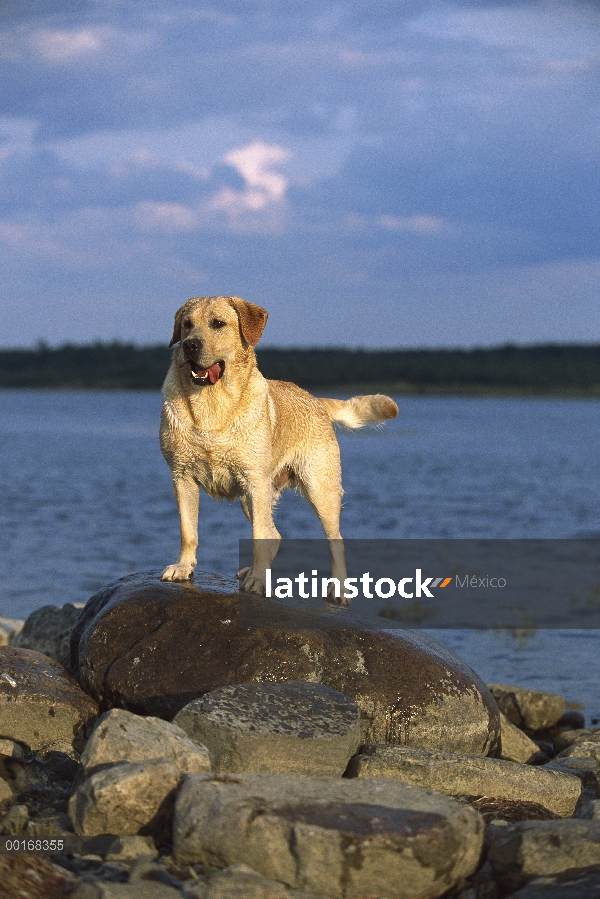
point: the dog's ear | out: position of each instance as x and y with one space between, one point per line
177 326
252 319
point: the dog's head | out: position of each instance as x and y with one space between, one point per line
214 332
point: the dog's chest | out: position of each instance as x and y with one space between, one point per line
208 456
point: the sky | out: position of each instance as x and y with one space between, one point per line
390 174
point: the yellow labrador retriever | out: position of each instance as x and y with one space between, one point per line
225 428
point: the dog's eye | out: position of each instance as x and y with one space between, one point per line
216 323
187 324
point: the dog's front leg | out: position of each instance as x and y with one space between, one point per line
265 538
187 494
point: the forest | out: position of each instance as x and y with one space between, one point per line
544 369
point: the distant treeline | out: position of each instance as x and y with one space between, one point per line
567 369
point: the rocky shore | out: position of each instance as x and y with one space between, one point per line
167 741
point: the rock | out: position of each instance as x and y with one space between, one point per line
125 798
517 746
520 852
286 728
153 646
572 718
569 737
48 630
330 836
132 767
142 890
131 846
6 793
589 809
27 876
10 749
571 885
582 749
15 821
528 709
122 736
238 881
586 769
461 775
40 703
154 869
9 628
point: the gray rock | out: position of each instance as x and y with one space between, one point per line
582 749
239 881
528 849
131 846
122 736
330 836
41 705
156 869
569 737
125 798
48 630
589 809
9 628
586 769
531 710
142 890
461 775
6 792
291 727
517 746
584 884
16 820
10 749
528 709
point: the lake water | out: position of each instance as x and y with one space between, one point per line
86 499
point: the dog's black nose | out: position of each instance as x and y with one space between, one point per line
192 346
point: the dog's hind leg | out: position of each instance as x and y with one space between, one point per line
325 496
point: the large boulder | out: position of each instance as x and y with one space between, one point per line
152 647
41 705
329 835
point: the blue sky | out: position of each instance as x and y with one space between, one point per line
377 175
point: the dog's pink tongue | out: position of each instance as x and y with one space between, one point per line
214 373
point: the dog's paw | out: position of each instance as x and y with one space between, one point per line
343 601
178 572
243 573
253 583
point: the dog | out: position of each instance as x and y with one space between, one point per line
227 429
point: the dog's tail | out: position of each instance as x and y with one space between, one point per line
361 410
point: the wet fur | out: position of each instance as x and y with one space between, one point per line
248 438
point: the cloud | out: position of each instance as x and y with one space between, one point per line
259 204
418 224
64 46
165 217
